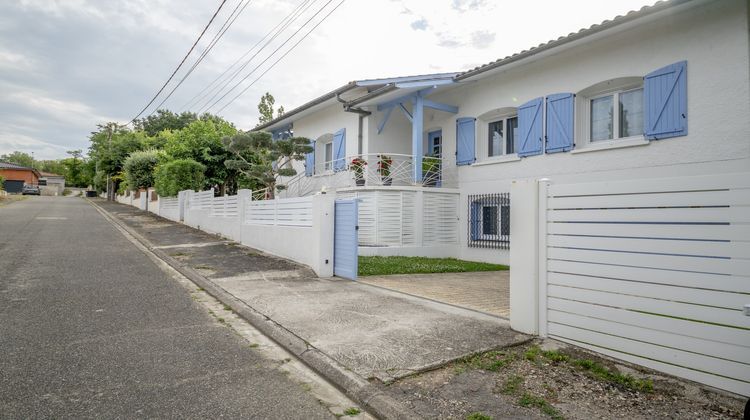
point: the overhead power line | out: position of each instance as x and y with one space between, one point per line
211 87
219 34
281 57
236 73
181 63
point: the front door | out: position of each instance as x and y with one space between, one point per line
431 175
435 144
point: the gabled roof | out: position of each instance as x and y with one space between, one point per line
380 88
352 92
8 165
582 33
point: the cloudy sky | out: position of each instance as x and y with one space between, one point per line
67 65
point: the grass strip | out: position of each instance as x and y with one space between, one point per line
378 266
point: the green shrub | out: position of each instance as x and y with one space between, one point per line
2 183
139 168
178 175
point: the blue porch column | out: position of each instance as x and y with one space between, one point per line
416 137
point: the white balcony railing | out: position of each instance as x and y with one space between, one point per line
377 169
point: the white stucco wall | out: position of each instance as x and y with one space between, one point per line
328 121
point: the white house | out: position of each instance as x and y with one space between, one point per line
660 91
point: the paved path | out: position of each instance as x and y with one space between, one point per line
487 292
92 328
371 331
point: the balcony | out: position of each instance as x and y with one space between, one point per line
372 170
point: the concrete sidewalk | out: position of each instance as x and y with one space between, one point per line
372 332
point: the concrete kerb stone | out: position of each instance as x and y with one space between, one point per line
362 391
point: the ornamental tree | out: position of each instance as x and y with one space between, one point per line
264 160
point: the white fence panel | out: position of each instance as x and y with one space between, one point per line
226 206
281 212
655 272
201 200
169 208
440 218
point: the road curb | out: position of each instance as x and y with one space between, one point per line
369 395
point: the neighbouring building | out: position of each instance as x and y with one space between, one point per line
16 176
51 184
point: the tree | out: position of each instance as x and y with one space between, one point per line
262 159
265 108
110 145
139 168
74 169
201 142
2 183
19 158
164 120
178 175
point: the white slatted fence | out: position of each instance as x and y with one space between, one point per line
201 200
655 272
281 212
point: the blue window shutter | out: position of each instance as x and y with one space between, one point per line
310 161
665 102
465 141
530 128
560 122
339 150
475 220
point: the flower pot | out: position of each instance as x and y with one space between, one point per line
360 182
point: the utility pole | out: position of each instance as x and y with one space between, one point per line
110 130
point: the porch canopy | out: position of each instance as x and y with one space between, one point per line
397 93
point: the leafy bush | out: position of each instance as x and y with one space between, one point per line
2 183
139 168
178 175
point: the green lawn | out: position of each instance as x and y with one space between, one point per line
376 266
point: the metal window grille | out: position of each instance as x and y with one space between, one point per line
489 221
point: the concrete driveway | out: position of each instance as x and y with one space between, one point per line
487 292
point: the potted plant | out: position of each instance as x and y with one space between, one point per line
430 171
358 167
384 169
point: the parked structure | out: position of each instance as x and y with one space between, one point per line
16 176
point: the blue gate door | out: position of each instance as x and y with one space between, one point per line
345 239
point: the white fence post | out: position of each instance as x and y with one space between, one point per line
524 256
322 225
243 196
181 198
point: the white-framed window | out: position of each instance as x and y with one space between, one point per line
497 134
328 147
611 111
501 136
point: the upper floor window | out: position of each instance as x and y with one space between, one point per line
328 155
497 133
610 111
501 136
616 115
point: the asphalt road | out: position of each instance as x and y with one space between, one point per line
91 327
